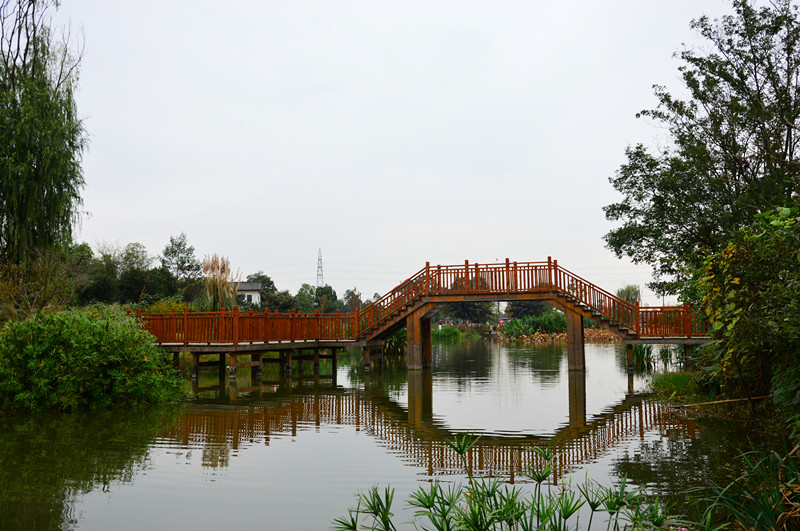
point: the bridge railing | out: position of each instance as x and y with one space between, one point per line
671 321
233 326
482 279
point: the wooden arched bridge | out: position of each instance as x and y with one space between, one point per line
412 303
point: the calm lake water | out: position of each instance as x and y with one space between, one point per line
291 453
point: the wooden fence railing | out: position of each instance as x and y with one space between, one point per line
233 326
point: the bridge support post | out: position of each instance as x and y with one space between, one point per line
418 340
316 361
629 352
577 399
576 353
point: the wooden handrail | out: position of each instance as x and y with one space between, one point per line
500 279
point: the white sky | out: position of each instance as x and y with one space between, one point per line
386 133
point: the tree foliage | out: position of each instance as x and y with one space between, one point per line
732 144
178 257
517 309
41 136
630 293
470 312
751 292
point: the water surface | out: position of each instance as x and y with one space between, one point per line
289 453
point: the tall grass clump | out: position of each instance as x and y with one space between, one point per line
765 496
219 285
91 358
488 504
674 384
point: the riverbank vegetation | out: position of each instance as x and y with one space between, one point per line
454 334
715 211
92 357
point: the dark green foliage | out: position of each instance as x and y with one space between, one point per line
41 135
89 358
283 301
734 143
765 496
447 334
517 309
469 312
326 301
396 343
139 286
751 293
552 322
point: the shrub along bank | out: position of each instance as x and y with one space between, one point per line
91 357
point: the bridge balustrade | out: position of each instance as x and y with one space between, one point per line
500 279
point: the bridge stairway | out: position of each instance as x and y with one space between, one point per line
613 326
395 320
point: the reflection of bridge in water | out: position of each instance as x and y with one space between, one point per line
412 433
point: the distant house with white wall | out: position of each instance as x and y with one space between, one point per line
249 291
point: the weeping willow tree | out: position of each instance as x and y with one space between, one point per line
219 286
41 136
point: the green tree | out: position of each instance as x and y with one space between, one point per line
733 144
630 293
41 136
304 300
326 300
471 312
352 300
139 285
134 257
518 309
178 256
282 301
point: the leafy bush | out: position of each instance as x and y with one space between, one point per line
549 323
94 357
447 334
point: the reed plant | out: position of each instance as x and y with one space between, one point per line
219 285
489 504
766 495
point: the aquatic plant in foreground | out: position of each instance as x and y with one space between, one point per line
488 504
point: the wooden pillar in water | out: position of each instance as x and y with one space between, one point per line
420 397
195 365
221 367
288 361
316 361
576 354
577 399
629 352
418 339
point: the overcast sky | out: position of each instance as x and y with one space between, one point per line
386 133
